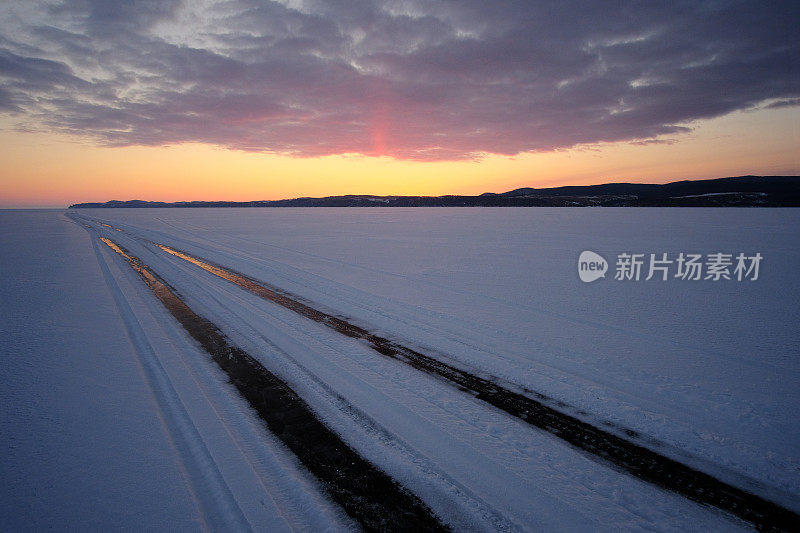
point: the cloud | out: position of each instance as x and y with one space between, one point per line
412 79
784 103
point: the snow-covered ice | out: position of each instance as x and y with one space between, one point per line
113 421
706 370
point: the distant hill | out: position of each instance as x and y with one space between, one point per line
741 191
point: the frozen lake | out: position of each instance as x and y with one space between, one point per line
705 370
712 367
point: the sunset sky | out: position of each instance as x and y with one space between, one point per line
256 100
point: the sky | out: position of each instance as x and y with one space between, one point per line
255 100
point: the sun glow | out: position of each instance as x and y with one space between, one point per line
54 170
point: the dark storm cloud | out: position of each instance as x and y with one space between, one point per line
413 79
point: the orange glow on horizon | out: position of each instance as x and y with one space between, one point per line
42 169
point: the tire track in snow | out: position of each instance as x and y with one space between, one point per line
204 478
366 493
628 456
240 325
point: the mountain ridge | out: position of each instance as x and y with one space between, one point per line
738 191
